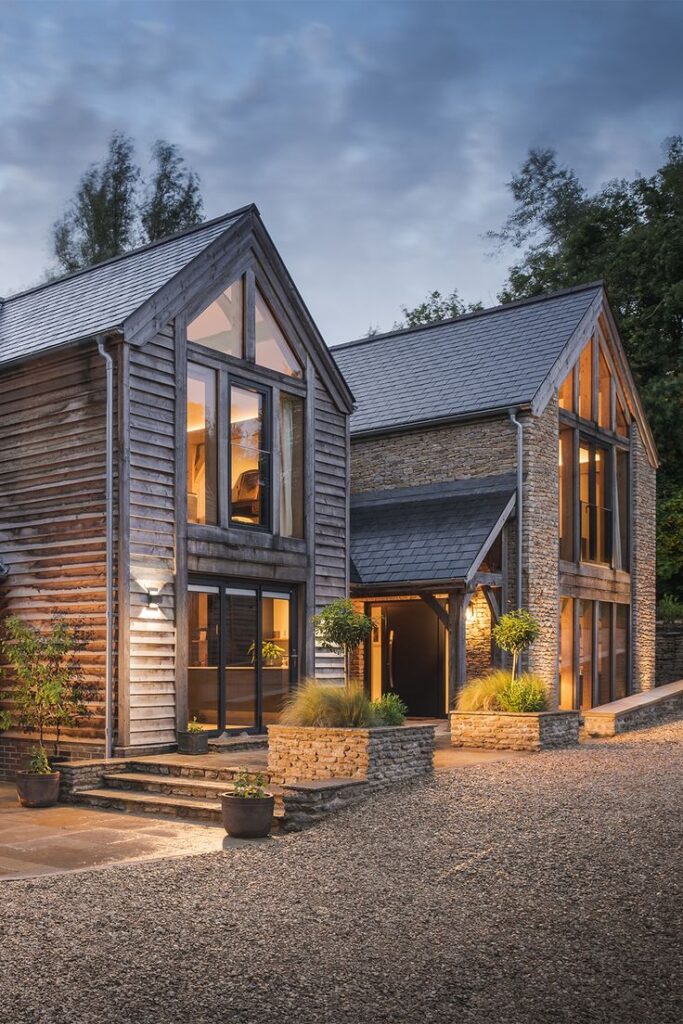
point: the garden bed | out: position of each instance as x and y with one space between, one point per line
381 755
514 730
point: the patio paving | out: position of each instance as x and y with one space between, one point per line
48 840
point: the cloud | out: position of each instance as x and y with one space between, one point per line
375 138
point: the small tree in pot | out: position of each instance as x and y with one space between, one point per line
248 810
194 739
340 625
515 632
49 693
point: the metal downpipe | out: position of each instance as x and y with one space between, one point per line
520 500
109 555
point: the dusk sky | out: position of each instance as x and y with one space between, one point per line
375 137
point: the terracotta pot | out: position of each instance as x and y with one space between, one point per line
193 743
37 790
247 817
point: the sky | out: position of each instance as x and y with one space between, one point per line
376 138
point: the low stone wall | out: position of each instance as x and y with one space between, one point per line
501 730
16 748
381 756
640 711
76 775
669 653
307 803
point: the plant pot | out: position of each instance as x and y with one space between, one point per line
37 790
247 817
193 743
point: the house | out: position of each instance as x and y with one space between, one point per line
499 460
173 474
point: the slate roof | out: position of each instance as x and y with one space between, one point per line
420 534
495 359
100 298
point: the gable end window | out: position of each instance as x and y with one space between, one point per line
221 325
272 348
249 456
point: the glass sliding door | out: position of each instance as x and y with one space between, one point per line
585 654
604 665
566 654
243 654
240 631
203 690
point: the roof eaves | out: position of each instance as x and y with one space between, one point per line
408 426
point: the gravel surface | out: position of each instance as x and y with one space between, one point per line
542 889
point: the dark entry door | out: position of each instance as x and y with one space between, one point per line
413 664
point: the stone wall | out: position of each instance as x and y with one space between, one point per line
381 756
643 564
15 751
660 705
540 544
499 730
307 803
478 635
669 647
432 455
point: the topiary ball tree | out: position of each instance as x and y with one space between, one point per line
340 625
515 632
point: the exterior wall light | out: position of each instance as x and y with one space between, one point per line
153 598
470 613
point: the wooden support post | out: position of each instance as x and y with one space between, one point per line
457 644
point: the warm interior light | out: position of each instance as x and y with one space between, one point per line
153 597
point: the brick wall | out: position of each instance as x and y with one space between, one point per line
643 564
16 750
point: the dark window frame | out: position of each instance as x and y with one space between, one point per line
266 446
596 606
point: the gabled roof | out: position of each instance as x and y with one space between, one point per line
100 298
436 534
481 362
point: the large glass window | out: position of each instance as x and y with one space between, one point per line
585 654
566 394
275 652
604 666
622 539
621 649
604 393
567 654
586 382
566 483
249 457
221 325
291 466
204 656
593 495
622 422
202 488
240 633
272 348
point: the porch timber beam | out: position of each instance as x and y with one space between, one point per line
437 606
457 642
488 579
493 602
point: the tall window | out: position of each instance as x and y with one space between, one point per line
566 483
586 382
272 348
291 466
566 654
249 457
566 396
601 673
604 393
593 496
585 654
221 325
202 489
622 546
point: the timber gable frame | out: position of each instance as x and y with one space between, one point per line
155 547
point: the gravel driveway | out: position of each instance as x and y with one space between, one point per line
542 889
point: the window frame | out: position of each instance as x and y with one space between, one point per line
596 606
233 380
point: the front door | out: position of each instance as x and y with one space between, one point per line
410 646
243 654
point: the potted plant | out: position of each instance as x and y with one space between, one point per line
38 786
48 693
194 739
248 810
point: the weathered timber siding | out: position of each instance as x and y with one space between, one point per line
52 504
331 516
643 564
151 670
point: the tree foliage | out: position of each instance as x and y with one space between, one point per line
515 632
434 308
340 625
114 208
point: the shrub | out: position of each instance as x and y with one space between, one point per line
389 710
669 609
195 726
38 763
334 707
340 625
515 632
251 787
496 691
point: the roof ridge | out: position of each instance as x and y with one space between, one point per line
503 306
132 252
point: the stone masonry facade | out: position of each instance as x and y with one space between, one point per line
544 730
643 565
380 755
669 652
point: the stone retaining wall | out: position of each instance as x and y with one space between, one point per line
500 730
307 803
669 658
381 756
643 716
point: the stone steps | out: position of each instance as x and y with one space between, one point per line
188 807
191 768
167 785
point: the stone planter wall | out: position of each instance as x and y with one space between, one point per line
500 730
639 711
381 756
669 652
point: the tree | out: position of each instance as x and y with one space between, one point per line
49 690
172 200
108 215
515 632
434 308
629 233
100 220
340 625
